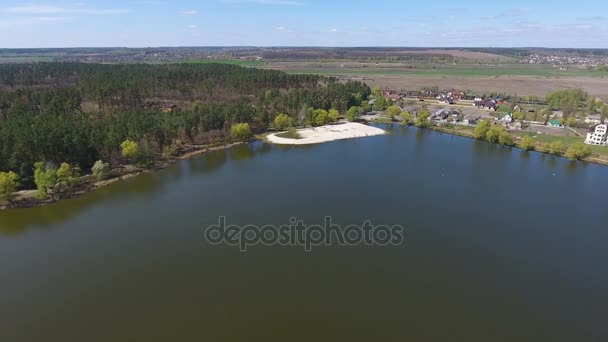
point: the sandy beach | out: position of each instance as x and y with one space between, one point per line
327 133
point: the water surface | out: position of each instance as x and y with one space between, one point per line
501 245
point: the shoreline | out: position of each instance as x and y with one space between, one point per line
28 199
540 149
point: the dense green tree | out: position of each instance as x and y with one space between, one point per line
377 92
527 143
577 151
66 176
130 150
504 138
8 184
570 122
81 113
518 116
45 177
393 111
240 132
283 121
101 170
494 133
482 129
333 115
422 119
406 117
352 114
556 147
591 105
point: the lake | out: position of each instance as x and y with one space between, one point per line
500 245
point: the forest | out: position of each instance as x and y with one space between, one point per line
81 113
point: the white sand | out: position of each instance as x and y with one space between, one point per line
327 133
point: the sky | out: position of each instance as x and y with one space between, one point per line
439 23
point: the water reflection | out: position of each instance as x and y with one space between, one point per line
17 221
242 152
209 162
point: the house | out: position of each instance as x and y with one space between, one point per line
392 95
557 114
555 123
597 135
593 119
506 119
471 120
483 104
441 114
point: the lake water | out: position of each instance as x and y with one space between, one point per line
500 245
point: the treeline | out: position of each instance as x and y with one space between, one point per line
130 85
81 113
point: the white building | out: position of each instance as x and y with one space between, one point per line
598 135
506 119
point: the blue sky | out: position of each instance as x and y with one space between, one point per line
142 23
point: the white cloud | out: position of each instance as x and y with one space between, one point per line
189 12
30 21
280 28
266 2
47 9
333 30
192 27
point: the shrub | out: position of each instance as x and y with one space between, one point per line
527 143
8 184
352 114
556 147
283 121
130 149
45 177
578 151
240 132
101 170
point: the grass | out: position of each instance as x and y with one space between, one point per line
231 62
567 140
455 71
291 134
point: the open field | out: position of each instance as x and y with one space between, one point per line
316 53
519 79
243 63
535 80
521 85
366 68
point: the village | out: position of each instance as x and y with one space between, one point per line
530 116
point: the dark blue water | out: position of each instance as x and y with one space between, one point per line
500 245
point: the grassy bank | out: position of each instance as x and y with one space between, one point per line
599 154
